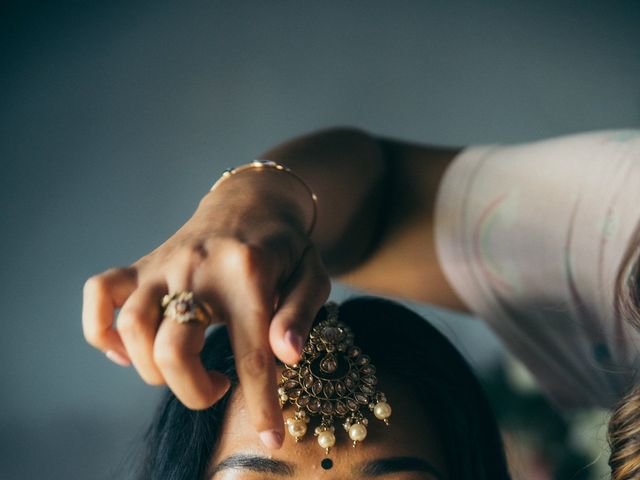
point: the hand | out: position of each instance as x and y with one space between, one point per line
262 277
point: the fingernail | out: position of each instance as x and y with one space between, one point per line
271 438
295 340
115 357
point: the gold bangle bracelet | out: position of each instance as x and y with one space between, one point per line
262 164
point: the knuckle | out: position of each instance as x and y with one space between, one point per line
119 272
192 253
167 354
254 361
94 285
131 322
93 335
246 258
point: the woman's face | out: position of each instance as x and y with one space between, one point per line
407 449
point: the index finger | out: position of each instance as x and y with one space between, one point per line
256 368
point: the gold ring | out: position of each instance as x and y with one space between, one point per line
183 307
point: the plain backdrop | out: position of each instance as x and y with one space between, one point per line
116 116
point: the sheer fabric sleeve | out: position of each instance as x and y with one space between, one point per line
541 241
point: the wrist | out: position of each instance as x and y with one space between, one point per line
260 198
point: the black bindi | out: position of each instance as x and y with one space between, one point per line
326 463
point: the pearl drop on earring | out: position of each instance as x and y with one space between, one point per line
357 433
296 427
382 411
326 439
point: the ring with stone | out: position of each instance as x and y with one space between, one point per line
184 307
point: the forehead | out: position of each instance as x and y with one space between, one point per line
410 434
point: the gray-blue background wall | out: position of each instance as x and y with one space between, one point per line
115 118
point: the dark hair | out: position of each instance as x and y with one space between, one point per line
180 442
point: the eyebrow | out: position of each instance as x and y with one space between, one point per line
387 466
374 468
255 463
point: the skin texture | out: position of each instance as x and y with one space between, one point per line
246 252
410 434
